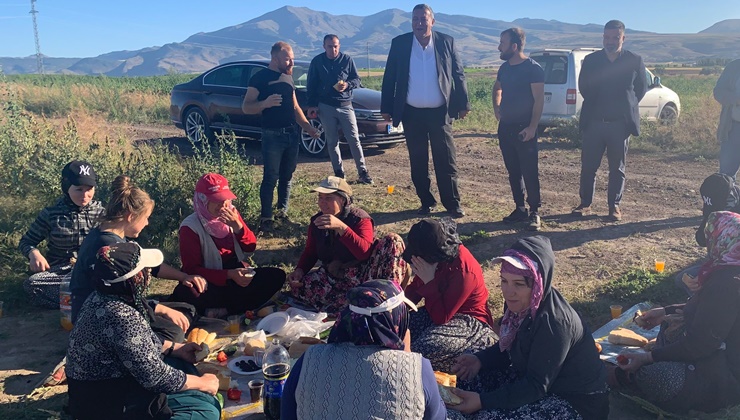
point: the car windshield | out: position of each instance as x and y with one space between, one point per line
300 76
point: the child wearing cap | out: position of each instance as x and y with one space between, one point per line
63 226
214 243
342 237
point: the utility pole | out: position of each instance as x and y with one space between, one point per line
39 58
368 59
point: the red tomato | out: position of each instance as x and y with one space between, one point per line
221 356
234 394
250 315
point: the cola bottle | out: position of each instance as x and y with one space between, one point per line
275 368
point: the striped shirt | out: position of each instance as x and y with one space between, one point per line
63 225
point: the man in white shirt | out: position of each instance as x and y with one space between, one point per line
424 87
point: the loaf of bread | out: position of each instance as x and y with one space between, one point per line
253 344
267 310
445 378
447 396
625 337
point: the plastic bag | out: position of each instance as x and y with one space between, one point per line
303 324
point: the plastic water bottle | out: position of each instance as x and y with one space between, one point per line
65 305
275 368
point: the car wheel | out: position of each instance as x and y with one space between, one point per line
311 146
668 115
196 126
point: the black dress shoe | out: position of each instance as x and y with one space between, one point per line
425 210
456 214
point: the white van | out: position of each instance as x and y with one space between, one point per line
563 100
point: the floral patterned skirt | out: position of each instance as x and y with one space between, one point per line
327 293
551 407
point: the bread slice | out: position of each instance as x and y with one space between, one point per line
625 337
447 396
445 379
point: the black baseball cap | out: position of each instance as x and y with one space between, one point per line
715 192
79 172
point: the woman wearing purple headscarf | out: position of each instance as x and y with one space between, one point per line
367 369
545 365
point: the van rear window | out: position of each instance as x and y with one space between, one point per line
556 68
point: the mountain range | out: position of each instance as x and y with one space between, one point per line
368 38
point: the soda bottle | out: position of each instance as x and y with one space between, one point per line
275 368
65 305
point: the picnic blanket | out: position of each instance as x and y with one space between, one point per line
610 351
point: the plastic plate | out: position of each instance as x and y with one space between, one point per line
234 368
273 323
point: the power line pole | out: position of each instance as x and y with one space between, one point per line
368 60
39 58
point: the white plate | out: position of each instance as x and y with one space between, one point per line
273 323
234 368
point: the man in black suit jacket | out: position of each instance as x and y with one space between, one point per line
424 88
612 82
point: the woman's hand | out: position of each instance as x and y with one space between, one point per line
330 222
424 270
466 366
197 284
241 276
36 262
186 351
294 279
470 404
173 315
651 318
207 383
636 361
230 216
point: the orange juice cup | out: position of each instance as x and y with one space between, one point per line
659 265
616 311
390 189
233 324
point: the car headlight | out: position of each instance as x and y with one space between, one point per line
363 114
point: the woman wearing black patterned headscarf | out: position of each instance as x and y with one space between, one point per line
366 370
455 317
117 367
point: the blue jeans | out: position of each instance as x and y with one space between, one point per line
279 157
729 152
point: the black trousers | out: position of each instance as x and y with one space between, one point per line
522 162
424 127
168 330
236 299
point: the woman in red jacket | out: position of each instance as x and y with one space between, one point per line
342 236
455 317
214 243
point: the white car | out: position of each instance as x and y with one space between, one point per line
563 100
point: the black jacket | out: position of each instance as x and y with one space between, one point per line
554 352
449 68
324 73
625 76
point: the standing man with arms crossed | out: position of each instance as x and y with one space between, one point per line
331 78
271 92
612 82
424 87
518 98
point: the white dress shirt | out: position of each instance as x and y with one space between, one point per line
424 91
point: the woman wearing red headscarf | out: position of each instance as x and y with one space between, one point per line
214 243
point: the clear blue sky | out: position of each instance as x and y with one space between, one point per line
85 28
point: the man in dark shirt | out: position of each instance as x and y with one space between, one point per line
331 78
271 93
612 83
518 98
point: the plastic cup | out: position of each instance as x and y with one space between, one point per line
255 390
259 357
616 311
390 189
659 265
233 324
